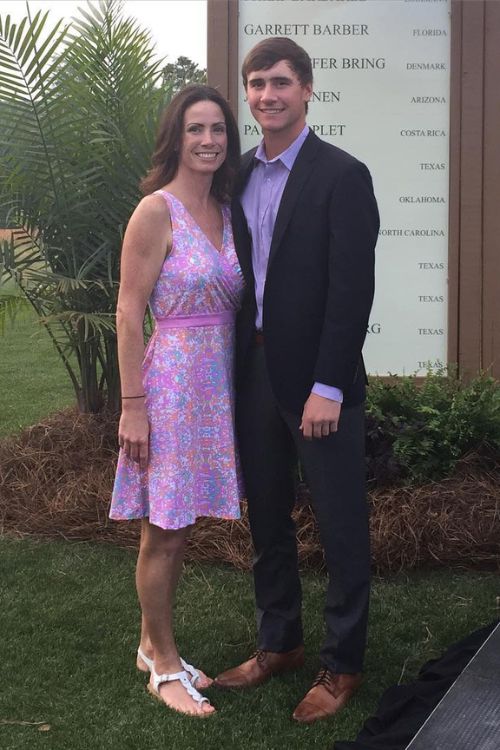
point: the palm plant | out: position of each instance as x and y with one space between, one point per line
79 105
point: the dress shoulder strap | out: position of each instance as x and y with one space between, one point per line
165 195
174 206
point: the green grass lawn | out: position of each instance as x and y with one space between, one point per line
69 625
33 380
69 628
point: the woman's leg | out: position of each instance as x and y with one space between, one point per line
146 645
158 568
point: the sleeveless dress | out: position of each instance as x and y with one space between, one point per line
188 381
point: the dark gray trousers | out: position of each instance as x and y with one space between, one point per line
269 443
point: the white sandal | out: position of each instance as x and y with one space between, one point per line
195 675
159 679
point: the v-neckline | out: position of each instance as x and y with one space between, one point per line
219 252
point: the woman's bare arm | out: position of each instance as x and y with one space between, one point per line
147 241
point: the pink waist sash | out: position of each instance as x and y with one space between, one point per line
195 321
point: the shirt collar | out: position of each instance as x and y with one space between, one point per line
286 157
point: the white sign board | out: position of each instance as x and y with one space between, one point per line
381 91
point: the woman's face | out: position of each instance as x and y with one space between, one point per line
204 138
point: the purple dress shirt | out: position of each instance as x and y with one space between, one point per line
260 201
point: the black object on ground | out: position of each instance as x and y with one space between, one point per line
469 715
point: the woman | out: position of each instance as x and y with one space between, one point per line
177 458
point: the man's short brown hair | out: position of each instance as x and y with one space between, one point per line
268 52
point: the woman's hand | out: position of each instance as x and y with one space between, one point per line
133 433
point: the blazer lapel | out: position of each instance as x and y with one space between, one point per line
240 229
244 171
301 170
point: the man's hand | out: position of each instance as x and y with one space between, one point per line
320 417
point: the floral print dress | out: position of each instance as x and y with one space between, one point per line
188 381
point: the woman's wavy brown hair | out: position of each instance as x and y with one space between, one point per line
165 159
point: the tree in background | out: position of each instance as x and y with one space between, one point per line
80 106
181 73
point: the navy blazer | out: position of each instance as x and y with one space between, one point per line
320 276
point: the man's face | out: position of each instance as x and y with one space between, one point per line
277 99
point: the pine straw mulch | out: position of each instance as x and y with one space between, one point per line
56 480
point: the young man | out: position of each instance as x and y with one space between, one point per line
305 222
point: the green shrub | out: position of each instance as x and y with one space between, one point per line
418 429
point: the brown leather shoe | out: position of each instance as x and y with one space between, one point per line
328 695
260 667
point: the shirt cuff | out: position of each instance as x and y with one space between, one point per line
328 391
